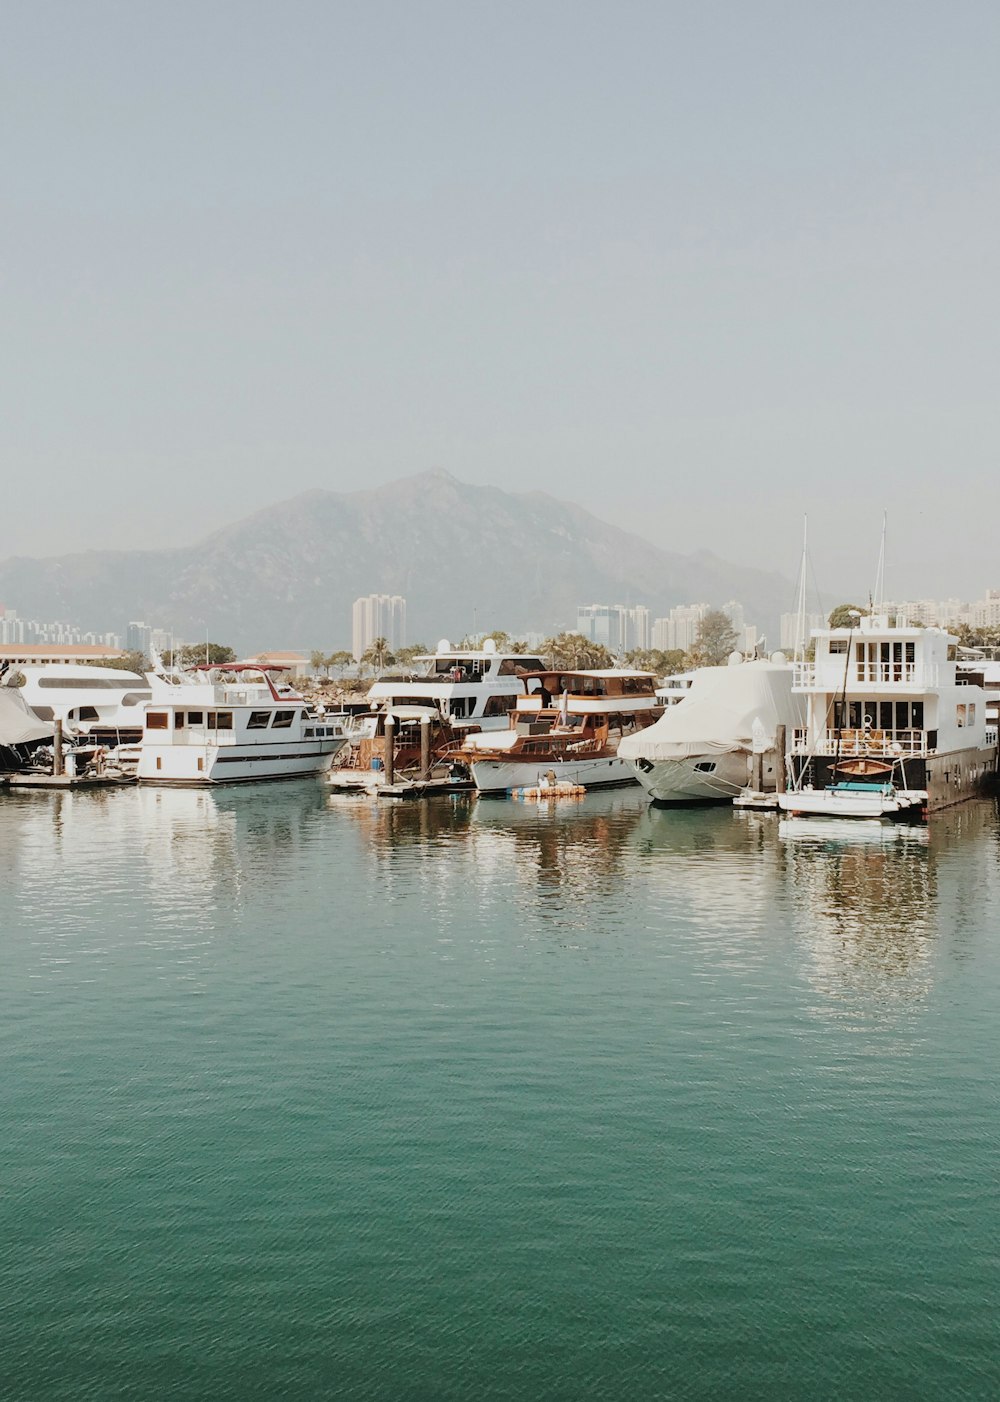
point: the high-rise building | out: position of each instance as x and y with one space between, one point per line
139 638
378 616
618 627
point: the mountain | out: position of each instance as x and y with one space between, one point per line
460 555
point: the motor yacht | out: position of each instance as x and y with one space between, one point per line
104 703
566 730
231 723
470 688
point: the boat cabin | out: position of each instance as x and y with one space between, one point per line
893 693
472 688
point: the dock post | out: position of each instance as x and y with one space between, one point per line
57 754
757 772
425 748
780 745
390 750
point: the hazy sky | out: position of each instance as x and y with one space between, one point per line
699 267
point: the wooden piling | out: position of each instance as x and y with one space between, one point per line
425 747
390 750
57 744
780 745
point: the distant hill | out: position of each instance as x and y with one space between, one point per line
287 576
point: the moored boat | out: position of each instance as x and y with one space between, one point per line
566 730
217 725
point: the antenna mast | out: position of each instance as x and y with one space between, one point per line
800 623
878 603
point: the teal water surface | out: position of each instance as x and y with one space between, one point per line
310 1097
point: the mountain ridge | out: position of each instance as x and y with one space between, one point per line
461 554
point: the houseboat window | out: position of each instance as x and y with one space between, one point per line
910 653
885 715
258 720
917 714
178 720
196 718
499 705
960 715
902 715
157 720
219 720
838 645
282 720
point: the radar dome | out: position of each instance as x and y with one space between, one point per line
444 645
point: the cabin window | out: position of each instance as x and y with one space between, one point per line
885 715
196 718
309 732
282 720
219 720
499 705
508 667
178 720
902 715
157 720
88 713
960 715
201 763
159 762
707 766
838 645
917 715
258 720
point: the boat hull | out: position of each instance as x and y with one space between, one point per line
825 803
597 772
234 764
681 781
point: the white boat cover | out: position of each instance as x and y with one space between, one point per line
718 713
18 723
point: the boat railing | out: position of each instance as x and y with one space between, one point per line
862 742
829 675
992 732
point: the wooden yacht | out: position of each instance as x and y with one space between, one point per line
566 730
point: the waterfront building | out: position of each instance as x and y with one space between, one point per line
378 616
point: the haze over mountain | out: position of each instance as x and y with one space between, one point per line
462 555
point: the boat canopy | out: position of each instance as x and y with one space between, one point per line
718 713
18 723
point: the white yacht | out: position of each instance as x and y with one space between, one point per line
673 689
701 750
471 688
568 729
218 725
893 727
103 703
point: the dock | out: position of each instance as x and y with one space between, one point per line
63 781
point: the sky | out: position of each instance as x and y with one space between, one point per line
701 268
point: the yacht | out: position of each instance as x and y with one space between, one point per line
893 726
229 724
674 689
103 703
701 750
470 688
566 730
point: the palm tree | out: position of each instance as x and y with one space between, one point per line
318 662
377 655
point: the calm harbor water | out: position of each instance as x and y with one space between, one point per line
306 1097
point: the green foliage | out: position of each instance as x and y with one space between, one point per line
575 652
377 655
841 616
664 662
195 654
338 661
407 655
127 662
969 636
715 639
318 662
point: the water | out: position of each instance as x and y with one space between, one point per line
311 1097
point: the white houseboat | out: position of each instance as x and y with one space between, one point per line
471 688
893 727
566 730
220 725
